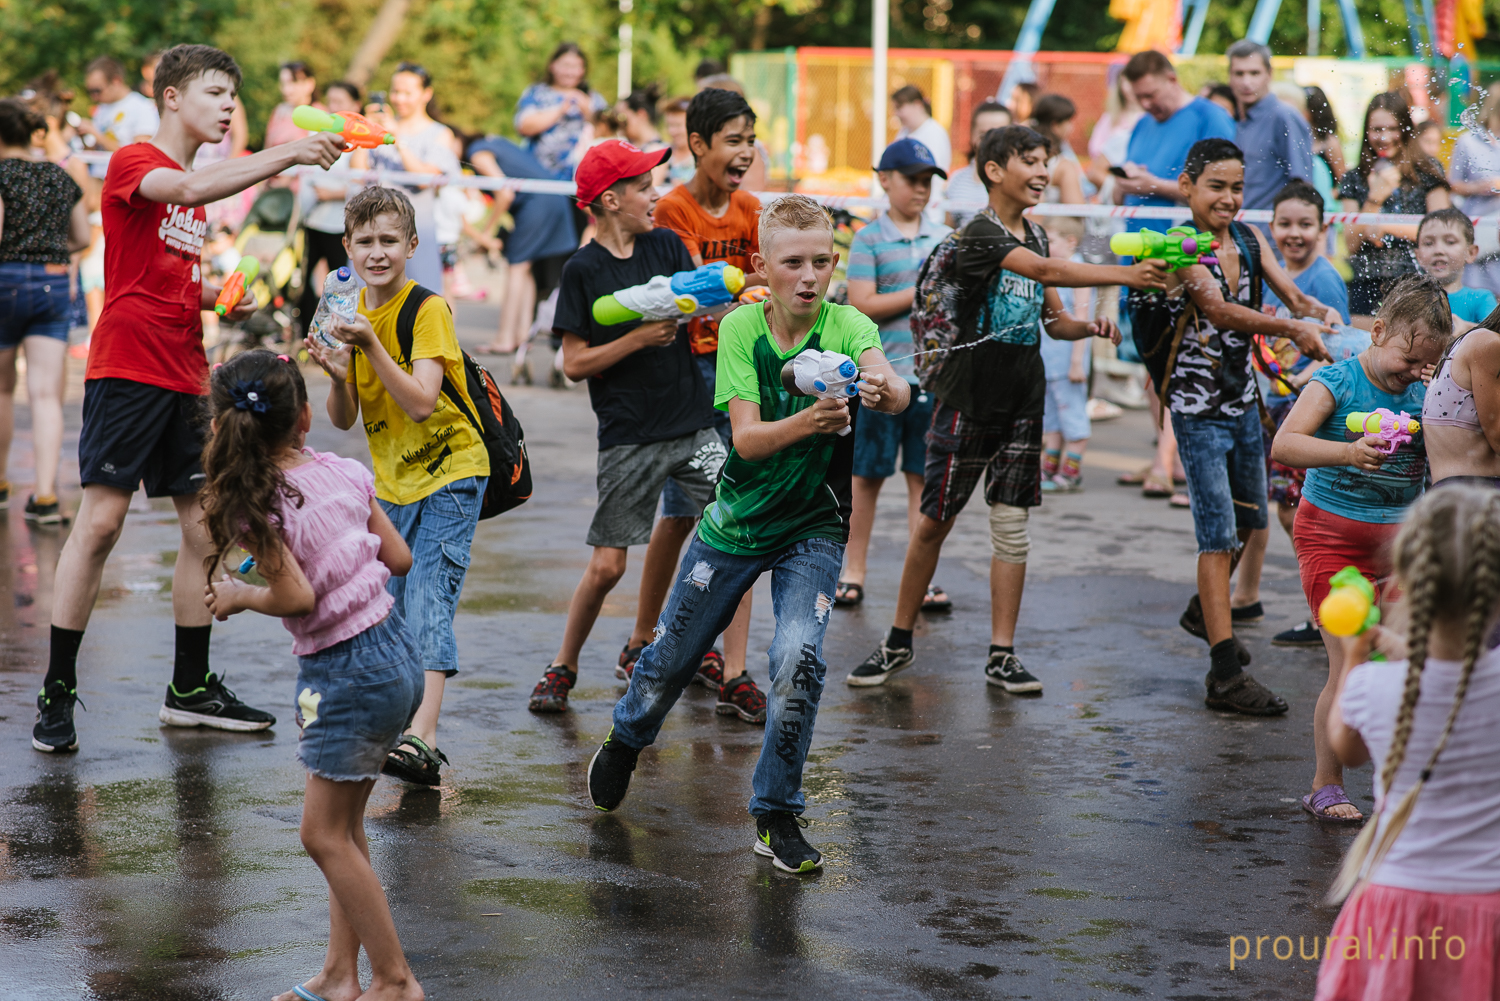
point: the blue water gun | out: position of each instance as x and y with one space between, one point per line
673 297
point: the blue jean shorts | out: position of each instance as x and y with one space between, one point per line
34 302
355 699
1225 462
878 437
1067 409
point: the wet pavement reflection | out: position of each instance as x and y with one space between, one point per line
1102 840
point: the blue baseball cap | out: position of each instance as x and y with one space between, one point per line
910 157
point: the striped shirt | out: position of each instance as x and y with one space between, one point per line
880 254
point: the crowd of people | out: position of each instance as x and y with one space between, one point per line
971 338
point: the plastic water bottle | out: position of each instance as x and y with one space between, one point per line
339 303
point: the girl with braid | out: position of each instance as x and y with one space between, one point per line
1424 917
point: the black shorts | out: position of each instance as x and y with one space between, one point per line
134 433
961 450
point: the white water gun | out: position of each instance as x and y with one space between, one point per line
827 375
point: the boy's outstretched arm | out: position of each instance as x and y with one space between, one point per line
1204 288
880 388
1071 274
191 188
1299 302
1063 326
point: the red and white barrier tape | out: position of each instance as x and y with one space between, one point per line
1155 212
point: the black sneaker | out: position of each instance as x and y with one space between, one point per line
1242 694
1246 614
1192 623
778 836
609 772
1005 670
1302 634
881 664
43 514
54 719
212 705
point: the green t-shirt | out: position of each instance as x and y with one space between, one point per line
801 492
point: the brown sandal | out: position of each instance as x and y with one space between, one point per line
1156 487
1134 479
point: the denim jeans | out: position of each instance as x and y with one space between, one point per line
703 601
439 529
34 302
1225 462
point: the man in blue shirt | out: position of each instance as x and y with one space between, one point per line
1275 137
1159 144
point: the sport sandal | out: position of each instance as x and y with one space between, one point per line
420 765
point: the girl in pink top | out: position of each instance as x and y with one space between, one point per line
325 550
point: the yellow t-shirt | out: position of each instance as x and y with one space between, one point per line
412 460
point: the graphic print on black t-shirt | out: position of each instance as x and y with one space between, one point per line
651 395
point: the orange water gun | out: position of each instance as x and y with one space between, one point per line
356 129
239 279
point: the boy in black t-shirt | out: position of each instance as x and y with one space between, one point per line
655 415
990 392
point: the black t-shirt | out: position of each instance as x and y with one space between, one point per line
39 197
1002 379
652 395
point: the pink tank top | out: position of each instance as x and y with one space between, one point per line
330 537
1448 404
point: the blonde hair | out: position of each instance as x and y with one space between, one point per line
1066 226
362 208
792 212
1447 558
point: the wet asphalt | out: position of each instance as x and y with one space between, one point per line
1105 839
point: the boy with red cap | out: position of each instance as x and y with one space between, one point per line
655 415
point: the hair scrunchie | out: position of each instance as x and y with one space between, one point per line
250 396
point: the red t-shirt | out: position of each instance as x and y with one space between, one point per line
732 237
151 329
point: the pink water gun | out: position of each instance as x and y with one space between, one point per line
1393 429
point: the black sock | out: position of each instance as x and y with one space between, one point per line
63 663
1224 660
898 639
996 648
191 668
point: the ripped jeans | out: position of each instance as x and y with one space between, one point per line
703 601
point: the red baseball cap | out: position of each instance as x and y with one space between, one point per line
610 161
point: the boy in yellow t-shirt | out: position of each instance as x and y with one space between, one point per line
431 466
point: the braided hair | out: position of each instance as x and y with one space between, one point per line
1447 558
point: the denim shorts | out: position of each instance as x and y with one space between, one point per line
1067 409
355 699
1225 462
879 437
34 302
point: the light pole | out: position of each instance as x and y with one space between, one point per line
627 38
880 38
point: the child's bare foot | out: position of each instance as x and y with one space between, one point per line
327 987
406 990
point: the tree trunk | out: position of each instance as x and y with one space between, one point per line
384 31
762 26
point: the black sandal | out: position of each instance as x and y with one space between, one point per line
936 600
848 594
419 766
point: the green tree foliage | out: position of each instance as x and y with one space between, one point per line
483 53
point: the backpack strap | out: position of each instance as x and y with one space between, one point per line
406 332
1249 247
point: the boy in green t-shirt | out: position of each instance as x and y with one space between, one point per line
782 506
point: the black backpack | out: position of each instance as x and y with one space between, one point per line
510 466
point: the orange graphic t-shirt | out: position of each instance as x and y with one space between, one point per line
732 238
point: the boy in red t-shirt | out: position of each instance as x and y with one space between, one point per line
146 374
718 222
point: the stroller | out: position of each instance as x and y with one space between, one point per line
271 233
